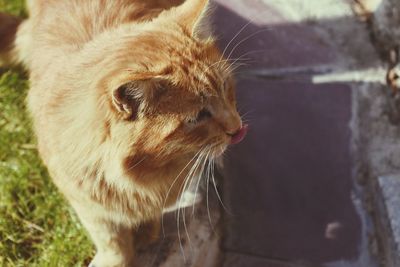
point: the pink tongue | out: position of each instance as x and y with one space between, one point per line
239 136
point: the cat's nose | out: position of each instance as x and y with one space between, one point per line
239 135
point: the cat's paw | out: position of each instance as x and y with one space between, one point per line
111 259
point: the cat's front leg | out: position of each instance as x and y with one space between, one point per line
114 242
114 245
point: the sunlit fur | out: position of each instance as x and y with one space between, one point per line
120 164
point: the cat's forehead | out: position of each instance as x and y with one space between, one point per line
196 65
207 75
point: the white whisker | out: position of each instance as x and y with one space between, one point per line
180 193
215 63
234 37
207 200
170 188
137 164
234 61
198 182
247 38
216 189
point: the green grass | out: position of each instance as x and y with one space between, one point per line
36 226
15 7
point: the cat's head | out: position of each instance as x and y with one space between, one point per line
171 91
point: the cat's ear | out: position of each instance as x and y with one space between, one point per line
135 93
191 15
126 101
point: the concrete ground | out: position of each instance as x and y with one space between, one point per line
291 184
298 189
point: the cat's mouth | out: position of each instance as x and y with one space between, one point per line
234 139
239 135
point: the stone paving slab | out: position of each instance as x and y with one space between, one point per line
294 33
277 46
289 183
389 190
241 260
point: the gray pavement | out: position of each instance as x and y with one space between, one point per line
389 189
291 184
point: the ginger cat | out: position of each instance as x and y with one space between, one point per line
125 96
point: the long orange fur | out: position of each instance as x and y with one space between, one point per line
124 94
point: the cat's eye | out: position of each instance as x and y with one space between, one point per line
201 116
